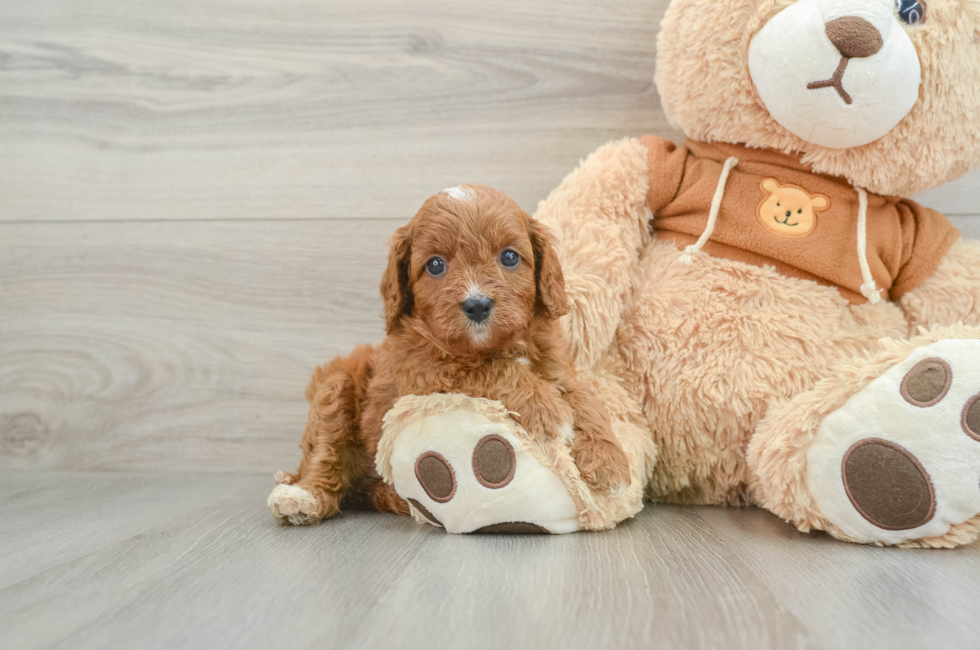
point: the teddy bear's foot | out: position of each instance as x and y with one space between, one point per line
885 451
482 479
899 462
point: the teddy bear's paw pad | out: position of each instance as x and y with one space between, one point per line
436 476
494 462
512 528
887 485
900 461
971 418
293 505
461 471
927 383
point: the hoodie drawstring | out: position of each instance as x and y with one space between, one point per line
868 289
689 252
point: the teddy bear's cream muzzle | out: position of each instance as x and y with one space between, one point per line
837 73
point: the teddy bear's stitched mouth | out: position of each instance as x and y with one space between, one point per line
785 223
836 82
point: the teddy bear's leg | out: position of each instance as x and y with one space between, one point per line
951 294
885 450
601 223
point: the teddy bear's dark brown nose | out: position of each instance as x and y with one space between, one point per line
854 37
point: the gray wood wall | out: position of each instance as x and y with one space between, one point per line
195 196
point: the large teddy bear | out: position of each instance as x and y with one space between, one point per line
768 321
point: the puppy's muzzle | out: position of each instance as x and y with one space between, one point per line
477 308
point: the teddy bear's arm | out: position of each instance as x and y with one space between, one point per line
601 223
594 446
951 294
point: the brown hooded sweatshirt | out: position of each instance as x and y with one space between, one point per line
776 212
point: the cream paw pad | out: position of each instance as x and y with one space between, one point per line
901 459
466 465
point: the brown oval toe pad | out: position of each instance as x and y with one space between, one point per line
436 476
888 485
971 417
927 383
494 462
512 528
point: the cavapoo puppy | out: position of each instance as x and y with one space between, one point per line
472 296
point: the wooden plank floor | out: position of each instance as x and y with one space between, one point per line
126 561
194 202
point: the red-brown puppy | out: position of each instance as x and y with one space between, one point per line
472 295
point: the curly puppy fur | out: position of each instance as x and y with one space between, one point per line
515 353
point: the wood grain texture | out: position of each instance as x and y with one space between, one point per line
316 110
959 198
53 518
207 566
175 346
309 109
968 226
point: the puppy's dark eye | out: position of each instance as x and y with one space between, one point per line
911 12
436 266
510 258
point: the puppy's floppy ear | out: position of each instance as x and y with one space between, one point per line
396 286
547 272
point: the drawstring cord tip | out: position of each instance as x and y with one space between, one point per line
871 291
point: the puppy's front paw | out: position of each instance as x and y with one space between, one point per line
603 464
291 504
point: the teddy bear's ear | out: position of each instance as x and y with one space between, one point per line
770 185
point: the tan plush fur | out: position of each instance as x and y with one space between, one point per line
952 294
468 244
689 339
730 368
704 83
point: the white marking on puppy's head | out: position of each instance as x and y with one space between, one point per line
459 193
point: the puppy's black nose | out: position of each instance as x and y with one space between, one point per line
477 308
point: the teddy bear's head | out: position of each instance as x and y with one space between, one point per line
883 92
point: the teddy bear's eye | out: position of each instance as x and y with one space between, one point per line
800 211
911 12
